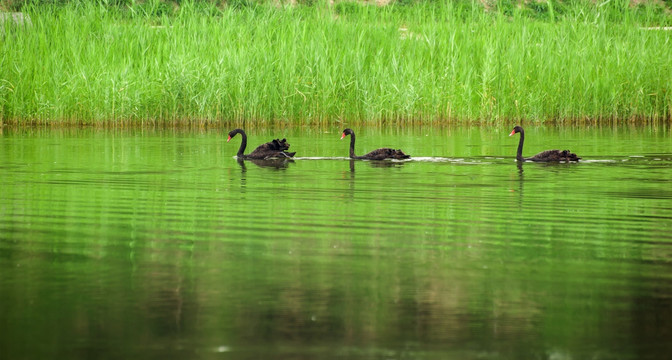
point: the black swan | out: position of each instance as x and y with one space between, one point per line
272 149
378 154
545 156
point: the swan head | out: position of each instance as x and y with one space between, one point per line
233 133
346 132
516 129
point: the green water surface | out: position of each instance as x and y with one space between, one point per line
158 244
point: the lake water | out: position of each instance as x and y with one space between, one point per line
160 245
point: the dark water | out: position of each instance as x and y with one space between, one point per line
159 244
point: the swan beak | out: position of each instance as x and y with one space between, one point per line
512 132
227 140
342 136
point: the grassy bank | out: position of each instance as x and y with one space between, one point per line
320 64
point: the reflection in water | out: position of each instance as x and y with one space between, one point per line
272 163
521 186
350 177
386 163
241 163
148 251
275 164
168 303
279 163
352 167
243 174
653 318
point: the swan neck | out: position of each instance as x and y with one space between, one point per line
352 145
519 154
243 144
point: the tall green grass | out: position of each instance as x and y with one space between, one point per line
445 62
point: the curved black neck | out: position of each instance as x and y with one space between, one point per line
352 145
519 154
243 143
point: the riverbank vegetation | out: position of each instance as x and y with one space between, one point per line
122 62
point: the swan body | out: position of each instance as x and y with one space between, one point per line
378 154
272 149
544 156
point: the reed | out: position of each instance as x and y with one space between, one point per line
89 63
